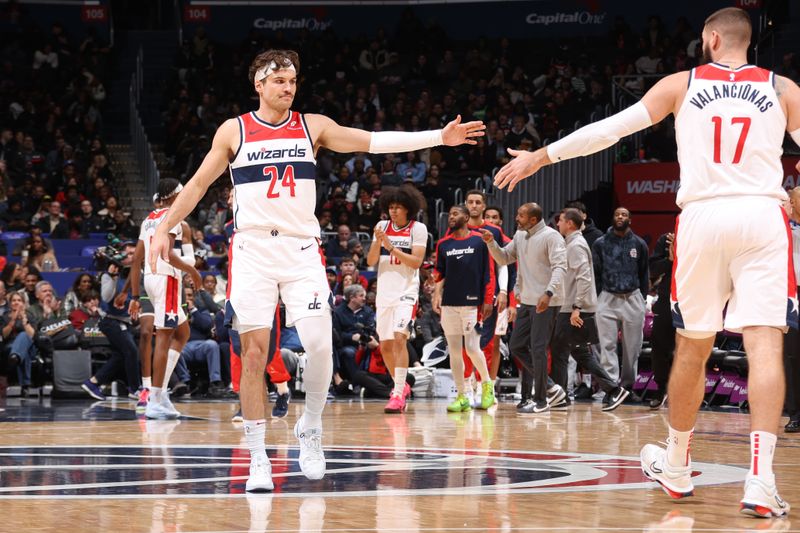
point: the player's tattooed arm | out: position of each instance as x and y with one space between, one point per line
780 85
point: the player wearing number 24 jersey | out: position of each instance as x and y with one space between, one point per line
275 249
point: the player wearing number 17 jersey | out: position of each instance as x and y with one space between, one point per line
732 240
275 246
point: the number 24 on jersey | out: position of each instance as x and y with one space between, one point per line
286 181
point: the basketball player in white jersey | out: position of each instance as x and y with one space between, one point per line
732 242
398 248
163 286
147 315
275 247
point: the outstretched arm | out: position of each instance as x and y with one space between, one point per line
328 134
789 95
664 98
210 169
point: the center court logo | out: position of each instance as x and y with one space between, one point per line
214 471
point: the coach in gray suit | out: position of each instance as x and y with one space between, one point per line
541 259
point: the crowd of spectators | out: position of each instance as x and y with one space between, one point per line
57 182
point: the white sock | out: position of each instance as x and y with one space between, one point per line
254 433
155 395
762 450
172 360
400 380
679 444
147 382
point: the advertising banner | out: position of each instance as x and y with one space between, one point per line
652 187
230 22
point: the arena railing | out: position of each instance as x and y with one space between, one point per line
441 224
553 186
141 146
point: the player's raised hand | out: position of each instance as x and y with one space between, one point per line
523 165
487 236
159 245
456 133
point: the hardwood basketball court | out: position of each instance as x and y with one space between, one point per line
75 466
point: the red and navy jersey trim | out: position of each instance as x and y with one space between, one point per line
715 72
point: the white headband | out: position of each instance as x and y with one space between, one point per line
266 70
175 191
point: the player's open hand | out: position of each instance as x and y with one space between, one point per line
159 246
523 165
456 133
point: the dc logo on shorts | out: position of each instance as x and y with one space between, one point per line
316 304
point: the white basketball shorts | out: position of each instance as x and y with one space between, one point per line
394 319
166 295
263 266
459 320
734 250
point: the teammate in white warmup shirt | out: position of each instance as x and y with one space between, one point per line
732 241
275 247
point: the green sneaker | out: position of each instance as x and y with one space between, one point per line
460 404
487 394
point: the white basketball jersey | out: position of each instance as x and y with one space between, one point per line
398 283
729 131
149 226
273 176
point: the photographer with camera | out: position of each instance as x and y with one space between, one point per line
116 325
355 323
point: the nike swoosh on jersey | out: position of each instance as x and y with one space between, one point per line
253 132
306 247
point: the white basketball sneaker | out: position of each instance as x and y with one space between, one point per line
168 406
158 411
312 458
762 500
675 480
260 474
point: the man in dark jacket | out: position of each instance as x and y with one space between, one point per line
589 231
201 348
621 273
353 320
